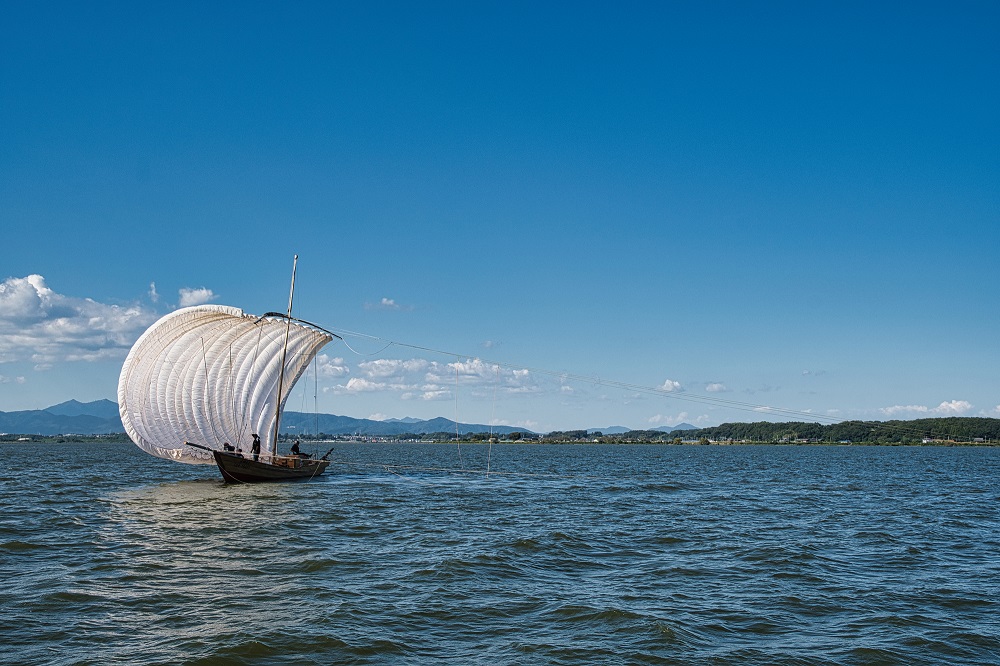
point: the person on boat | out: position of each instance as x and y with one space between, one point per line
255 448
295 449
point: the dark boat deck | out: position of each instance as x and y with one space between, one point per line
237 469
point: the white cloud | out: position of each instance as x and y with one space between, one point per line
435 394
670 386
902 409
357 385
331 367
387 304
8 380
420 379
716 387
388 367
946 408
477 373
361 385
377 417
514 390
666 419
44 327
200 296
953 407
470 369
153 296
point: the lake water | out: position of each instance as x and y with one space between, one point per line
574 555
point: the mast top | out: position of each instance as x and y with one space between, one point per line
284 353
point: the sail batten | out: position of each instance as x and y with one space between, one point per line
209 374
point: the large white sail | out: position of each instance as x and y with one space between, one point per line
209 374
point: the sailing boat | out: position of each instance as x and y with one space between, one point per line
203 380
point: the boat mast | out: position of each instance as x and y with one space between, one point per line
284 353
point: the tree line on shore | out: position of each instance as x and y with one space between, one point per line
971 430
962 430
920 431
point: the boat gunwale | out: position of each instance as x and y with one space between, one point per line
258 470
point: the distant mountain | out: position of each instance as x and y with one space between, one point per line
292 422
679 426
610 430
71 417
101 417
620 430
104 409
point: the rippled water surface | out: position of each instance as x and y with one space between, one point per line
572 555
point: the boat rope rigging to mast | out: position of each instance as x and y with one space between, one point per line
184 376
626 386
458 436
284 356
597 381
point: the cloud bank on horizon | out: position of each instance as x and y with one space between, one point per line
47 328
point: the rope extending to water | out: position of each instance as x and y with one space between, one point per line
391 469
493 414
458 437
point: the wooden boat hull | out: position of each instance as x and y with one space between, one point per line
237 469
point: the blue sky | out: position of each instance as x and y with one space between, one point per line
774 204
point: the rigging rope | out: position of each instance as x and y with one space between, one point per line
346 344
316 395
627 386
458 437
493 415
475 471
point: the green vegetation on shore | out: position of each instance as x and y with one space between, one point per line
936 432
957 430
939 431
56 439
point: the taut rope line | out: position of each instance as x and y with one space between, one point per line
597 381
390 469
639 388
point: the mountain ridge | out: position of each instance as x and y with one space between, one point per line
101 417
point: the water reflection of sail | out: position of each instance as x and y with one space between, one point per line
206 376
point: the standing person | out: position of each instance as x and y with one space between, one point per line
255 448
295 448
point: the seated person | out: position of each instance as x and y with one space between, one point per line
226 446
